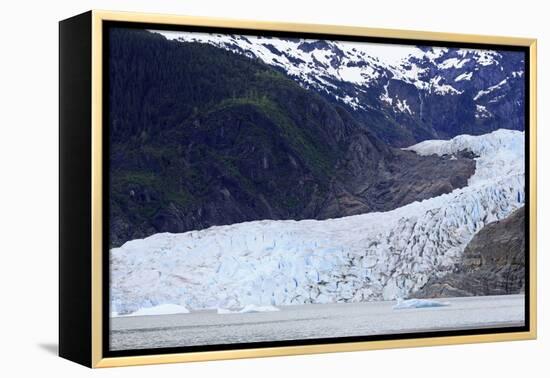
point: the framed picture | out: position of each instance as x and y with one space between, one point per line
235 189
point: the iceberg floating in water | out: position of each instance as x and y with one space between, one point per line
224 311
163 309
254 308
418 303
248 309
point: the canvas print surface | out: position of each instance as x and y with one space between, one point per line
269 188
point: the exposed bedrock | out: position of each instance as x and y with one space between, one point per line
493 263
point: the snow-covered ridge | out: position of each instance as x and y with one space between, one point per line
358 258
348 61
323 65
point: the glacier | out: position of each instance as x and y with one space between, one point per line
367 257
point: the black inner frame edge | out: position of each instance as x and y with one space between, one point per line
106 352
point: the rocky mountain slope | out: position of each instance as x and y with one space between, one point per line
374 256
404 94
201 136
493 263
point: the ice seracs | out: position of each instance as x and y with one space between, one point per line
365 257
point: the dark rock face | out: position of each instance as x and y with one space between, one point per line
200 136
493 263
370 181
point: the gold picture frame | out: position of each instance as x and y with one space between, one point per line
93 356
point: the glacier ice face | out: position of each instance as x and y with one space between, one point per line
374 256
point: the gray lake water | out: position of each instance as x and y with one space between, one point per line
313 321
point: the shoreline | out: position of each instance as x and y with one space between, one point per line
310 321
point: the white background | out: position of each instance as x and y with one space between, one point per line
29 189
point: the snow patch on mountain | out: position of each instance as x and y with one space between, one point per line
453 63
403 106
441 89
372 256
517 74
464 76
351 101
482 112
487 57
489 90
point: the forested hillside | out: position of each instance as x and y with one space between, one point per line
200 136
